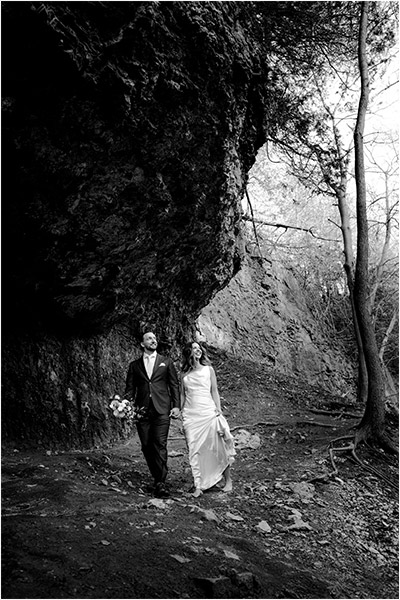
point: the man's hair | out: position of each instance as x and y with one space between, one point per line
144 331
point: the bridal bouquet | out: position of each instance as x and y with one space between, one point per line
123 409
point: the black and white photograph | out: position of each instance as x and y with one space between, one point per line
200 300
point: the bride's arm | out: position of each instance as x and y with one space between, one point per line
214 391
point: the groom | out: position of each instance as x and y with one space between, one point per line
152 382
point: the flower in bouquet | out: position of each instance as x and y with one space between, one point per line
123 409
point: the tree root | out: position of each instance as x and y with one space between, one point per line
338 413
266 423
344 437
388 445
352 449
364 433
371 469
316 423
381 455
335 471
331 456
332 459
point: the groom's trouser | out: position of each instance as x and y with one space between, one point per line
153 435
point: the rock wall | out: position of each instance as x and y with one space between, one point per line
57 389
262 316
128 132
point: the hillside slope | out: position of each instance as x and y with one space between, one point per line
262 316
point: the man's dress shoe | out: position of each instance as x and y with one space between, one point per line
161 491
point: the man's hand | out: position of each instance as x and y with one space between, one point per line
175 413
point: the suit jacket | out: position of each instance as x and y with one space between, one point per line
162 388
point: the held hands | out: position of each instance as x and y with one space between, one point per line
175 413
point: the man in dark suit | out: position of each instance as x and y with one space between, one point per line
152 382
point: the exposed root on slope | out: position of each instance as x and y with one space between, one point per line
371 469
266 423
350 448
336 413
317 423
365 434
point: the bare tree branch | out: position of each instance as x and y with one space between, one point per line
309 230
252 220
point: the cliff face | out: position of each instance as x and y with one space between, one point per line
262 316
128 130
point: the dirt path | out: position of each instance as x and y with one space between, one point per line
83 525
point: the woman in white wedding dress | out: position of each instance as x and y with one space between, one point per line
209 440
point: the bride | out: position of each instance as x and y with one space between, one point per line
209 440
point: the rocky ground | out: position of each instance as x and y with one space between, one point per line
82 524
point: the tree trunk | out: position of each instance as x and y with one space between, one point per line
340 193
362 380
372 425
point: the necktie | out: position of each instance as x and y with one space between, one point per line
149 364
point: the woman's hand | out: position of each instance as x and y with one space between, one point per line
175 413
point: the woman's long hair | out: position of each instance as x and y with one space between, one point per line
187 357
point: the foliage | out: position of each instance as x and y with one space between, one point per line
317 144
316 75
316 260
